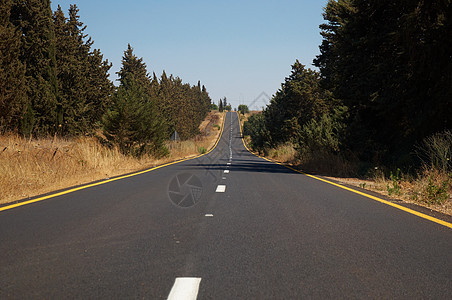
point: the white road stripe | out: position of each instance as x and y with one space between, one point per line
185 288
226 171
221 188
228 164
208 215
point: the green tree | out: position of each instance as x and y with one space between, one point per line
243 109
33 18
134 123
220 106
133 70
256 128
100 88
300 99
389 62
12 72
85 90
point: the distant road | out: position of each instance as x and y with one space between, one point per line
227 225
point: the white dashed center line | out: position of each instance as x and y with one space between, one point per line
221 188
226 171
185 288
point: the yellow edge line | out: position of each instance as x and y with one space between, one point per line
408 210
111 180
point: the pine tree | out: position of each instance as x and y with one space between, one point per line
165 103
85 89
133 69
12 72
100 88
34 20
389 62
134 123
220 105
299 100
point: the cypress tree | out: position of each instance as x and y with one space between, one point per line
34 20
389 62
12 72
82 75
100 88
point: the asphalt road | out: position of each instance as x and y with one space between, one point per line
271 234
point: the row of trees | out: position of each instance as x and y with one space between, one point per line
146 110
384 83
53 82
301 112
390 63
223 105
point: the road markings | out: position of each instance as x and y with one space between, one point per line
226 171
221 188
89 185
228 163
208 215
185 288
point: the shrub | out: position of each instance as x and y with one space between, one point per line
437 194
243 109
395 181
323 135
256 129
436 151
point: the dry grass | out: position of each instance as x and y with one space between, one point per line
283 153
430 188
210 130
33 167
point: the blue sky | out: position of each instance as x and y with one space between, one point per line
237 49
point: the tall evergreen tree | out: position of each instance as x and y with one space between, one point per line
300 99
134 122
12 72
390 64
133 69
34 20
100 88
85 89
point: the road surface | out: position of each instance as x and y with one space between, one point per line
227 225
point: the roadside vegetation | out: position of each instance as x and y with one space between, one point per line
30 167
63 121
379 108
